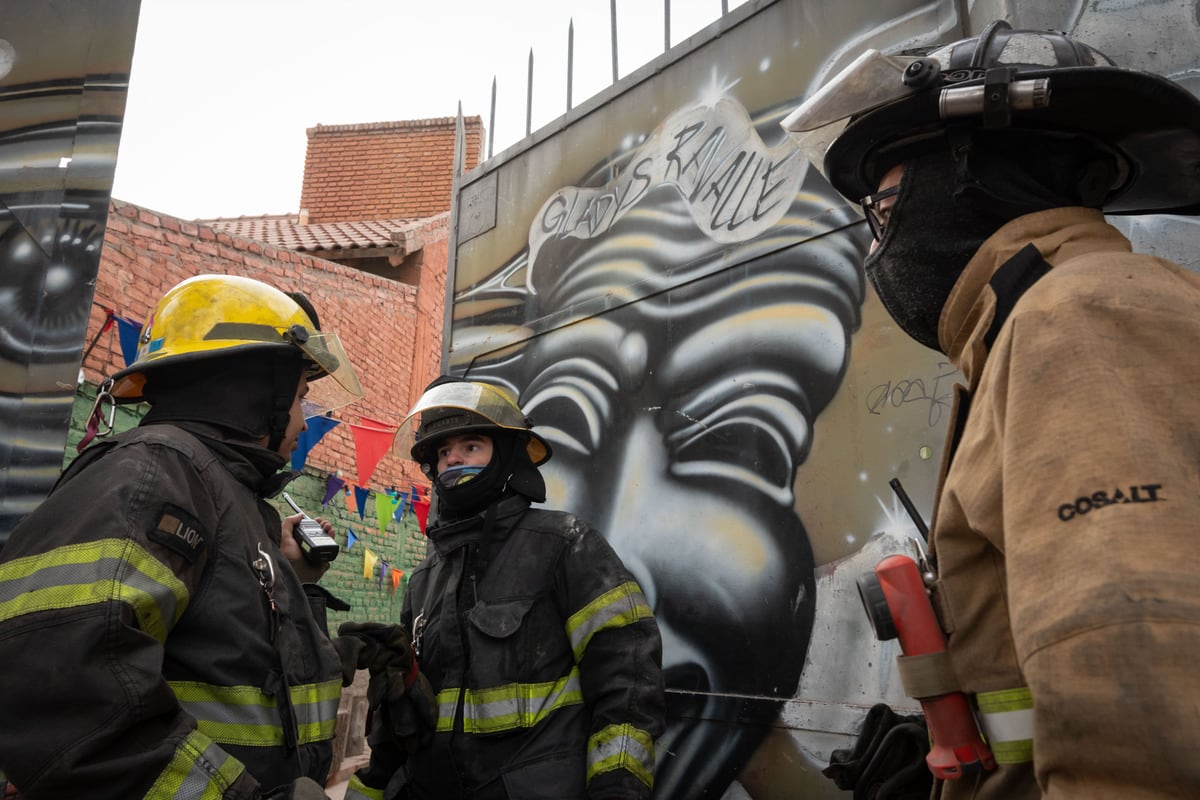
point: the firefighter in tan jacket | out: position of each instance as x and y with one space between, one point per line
1065 528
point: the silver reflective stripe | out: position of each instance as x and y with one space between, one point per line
199 770
1006 717
622 747
245 715
447 702
620 606
517 705
91 573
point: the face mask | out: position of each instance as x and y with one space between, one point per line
457 476
930 237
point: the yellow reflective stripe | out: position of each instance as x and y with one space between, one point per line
245 715
616 608
199 770
1006 717
357 790
92 573
506 708
622 747
447 703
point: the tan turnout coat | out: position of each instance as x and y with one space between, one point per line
1067 527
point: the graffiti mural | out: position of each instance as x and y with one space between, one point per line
64 69
678 302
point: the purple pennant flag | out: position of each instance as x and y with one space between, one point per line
317 428
361 495
333 485
128 331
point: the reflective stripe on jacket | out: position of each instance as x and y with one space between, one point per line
131 597
547 669
1077 633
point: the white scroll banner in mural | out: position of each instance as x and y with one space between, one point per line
735 186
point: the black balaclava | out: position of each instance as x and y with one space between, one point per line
945 210
509 472
248 394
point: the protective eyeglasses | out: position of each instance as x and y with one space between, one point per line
877 218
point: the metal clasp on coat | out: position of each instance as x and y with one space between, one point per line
265 568
418 631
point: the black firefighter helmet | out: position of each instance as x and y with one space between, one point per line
881 110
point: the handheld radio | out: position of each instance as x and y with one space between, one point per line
317 546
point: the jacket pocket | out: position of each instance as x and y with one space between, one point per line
554 778
503 648
500 620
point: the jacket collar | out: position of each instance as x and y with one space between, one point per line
449 536
252 464
1058 235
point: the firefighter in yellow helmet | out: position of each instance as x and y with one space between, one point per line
157 640
1064 530
539 644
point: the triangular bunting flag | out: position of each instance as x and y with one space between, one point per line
361 496
369 562
421 509
371 443
350 538
350 499
385 506
333 485
128 331
317 427
396 576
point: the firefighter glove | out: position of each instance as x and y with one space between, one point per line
399 696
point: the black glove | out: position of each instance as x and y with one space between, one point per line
888 760
399 695
299 789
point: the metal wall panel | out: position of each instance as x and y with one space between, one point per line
64 72
679 304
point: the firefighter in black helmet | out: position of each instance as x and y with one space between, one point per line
157 640
540 646
1064 527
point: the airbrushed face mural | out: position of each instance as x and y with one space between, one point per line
677 300
64 71
680 408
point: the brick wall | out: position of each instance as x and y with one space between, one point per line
384 170
391 331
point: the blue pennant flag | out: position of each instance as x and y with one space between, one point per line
317 428
129 331
361 495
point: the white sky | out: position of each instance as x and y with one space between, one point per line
222 91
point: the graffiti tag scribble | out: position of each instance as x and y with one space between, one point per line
914 390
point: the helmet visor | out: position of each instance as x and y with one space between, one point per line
870 81
481 400
328 359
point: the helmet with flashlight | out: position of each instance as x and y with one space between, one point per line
883 109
